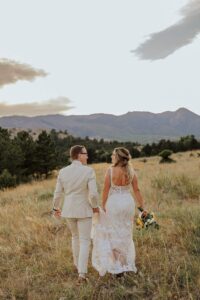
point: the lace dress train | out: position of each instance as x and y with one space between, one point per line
113 246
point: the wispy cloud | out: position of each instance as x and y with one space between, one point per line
53 106
12 71
163 43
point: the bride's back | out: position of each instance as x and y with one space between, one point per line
119 176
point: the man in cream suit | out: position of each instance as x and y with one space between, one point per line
78 182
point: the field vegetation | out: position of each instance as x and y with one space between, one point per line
35 248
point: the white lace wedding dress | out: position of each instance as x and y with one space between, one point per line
113 247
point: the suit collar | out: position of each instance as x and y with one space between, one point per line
76 162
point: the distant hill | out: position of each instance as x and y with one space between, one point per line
134 126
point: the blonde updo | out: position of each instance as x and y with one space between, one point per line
122 159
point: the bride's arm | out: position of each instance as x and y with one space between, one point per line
106 189
137 193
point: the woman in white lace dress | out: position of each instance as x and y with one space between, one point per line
113 247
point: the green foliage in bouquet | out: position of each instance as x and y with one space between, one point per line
146 220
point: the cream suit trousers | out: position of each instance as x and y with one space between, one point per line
81 236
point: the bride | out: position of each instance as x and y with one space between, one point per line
113 247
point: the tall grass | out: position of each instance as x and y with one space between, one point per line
35 249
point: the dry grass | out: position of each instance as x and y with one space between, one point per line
35 254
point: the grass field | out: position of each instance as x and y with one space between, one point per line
35 249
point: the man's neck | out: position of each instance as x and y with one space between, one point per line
76 161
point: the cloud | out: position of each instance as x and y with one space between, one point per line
12 71
163 43
53 106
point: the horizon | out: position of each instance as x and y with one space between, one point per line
101 113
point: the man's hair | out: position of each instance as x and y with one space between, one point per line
75 151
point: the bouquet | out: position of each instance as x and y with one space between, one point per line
146 220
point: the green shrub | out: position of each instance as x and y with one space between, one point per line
7 180
165 154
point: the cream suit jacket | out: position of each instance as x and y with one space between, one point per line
78 183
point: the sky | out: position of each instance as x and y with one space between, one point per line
99 56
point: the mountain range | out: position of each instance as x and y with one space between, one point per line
133 126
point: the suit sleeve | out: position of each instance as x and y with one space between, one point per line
92 187
58 192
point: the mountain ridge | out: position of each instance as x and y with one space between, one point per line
133 125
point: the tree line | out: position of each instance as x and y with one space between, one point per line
23 158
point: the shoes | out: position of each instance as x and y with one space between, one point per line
120 275
75 269
82 280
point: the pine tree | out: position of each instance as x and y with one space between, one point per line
45 159
25 141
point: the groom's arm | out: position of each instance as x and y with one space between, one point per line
58 193
92 188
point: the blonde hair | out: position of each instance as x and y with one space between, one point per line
122 159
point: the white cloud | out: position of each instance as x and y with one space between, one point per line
53 106
161 44
12 71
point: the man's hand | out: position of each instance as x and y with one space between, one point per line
57 212
95 210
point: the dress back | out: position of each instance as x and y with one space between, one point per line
118 188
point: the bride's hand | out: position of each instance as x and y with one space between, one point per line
104 209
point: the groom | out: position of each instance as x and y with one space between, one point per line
78 182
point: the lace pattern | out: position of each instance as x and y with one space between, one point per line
113 247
